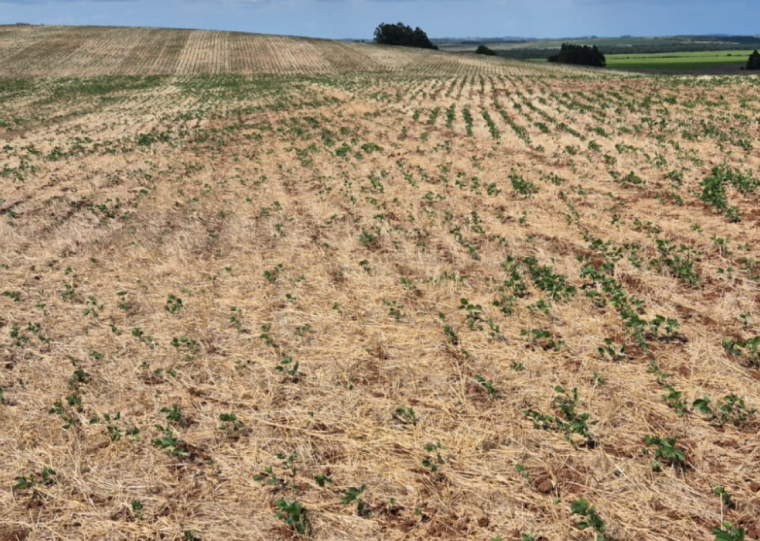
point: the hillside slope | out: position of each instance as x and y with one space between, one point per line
421 306
53 51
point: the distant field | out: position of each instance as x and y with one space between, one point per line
677 61
622 46
690 61
556 43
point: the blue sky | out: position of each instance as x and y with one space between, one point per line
439 18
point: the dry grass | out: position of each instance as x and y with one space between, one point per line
344 220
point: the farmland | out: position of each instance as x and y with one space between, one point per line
267 288
679 61
626 45
675 62
52 51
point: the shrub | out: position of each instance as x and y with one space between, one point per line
482 49
753 63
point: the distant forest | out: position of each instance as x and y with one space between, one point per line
582 55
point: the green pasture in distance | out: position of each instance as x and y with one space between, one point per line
673 61
677 61
458 45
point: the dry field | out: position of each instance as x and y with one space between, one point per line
55 51
367 293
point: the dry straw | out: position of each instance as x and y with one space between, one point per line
296 251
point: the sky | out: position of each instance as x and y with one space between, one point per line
357 19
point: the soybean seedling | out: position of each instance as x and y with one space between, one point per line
665 450
290 368
356 495
293 514
591 519
173 304
728 532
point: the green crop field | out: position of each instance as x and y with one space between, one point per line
687 61
638 53
550 44
677 61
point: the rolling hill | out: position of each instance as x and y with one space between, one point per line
256 288
50 51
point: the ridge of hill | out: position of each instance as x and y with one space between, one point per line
65 51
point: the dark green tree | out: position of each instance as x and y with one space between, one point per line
482 49
403 35
754 61
582 55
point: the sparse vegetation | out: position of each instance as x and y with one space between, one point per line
327 287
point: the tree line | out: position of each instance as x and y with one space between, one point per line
582 55
403 35
658 46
